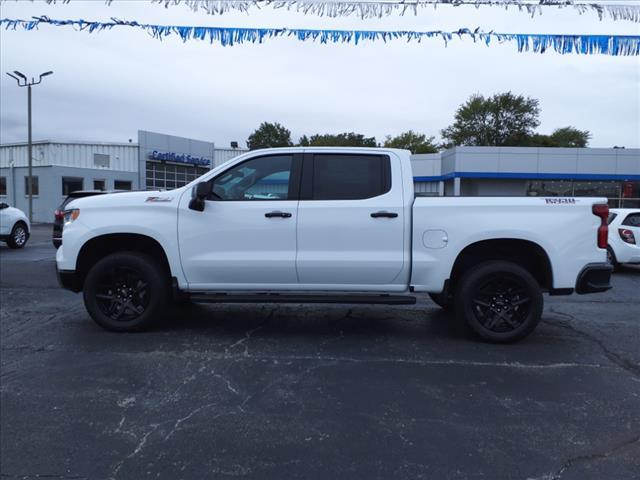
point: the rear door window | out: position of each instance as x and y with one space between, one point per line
350 177
632 220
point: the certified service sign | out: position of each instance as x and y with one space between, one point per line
179 158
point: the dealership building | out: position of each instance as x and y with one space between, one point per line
613 173
156 162
160 161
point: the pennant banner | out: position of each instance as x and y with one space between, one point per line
617 10
626 45
378 9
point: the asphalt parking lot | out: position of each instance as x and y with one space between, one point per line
263 391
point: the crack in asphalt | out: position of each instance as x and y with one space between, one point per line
184 354
138 449
614 357
178 422
557 475
247 335
26 476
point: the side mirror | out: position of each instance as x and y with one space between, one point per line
198 196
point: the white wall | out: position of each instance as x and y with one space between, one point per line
122 157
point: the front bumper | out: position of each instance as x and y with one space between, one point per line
595 277
68 280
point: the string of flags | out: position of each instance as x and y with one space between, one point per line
614 9
616 45
378 9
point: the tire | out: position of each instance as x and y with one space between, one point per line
442 300
18 236
126 292
611 258
500 301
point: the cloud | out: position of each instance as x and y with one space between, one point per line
106 86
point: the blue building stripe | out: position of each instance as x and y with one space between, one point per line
529 176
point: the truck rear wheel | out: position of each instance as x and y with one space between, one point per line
500 301
126 292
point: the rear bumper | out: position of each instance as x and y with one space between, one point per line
68 280
595 277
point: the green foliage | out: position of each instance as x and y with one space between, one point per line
413 141
350 139
567 137
504 119
269 135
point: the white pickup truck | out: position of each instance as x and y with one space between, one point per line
330 225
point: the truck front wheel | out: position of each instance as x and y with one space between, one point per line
126 291
500 301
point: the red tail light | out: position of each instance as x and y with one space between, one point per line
627 236
58 214
602 210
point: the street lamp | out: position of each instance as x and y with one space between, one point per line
24 82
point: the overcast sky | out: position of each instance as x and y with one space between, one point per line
108 85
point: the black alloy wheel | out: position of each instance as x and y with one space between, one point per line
122 293
500 301
126 291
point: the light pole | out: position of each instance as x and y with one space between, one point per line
24 82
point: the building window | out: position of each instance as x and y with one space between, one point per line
3 185
34 185
597 189
630 195
122 185
619 194
550 188
71 184
101 160
99 185
163 176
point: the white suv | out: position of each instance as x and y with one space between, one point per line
14 226
624 236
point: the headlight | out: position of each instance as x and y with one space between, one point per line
71 215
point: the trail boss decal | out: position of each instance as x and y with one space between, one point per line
560 201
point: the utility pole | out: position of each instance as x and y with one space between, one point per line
23 82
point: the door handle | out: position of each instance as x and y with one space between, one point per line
382 214
277 214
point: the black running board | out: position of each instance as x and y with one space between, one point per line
300 298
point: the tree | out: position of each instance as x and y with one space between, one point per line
350 139
269 135
413 141
568 137
504 119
